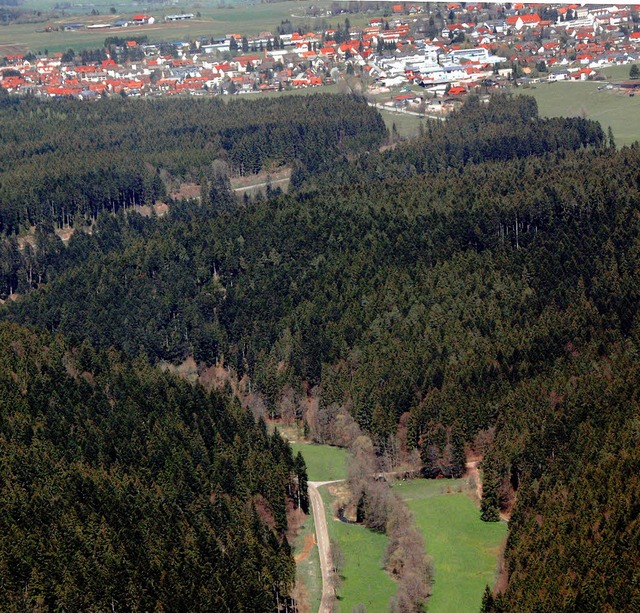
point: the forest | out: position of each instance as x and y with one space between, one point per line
63 163
473 289
124 488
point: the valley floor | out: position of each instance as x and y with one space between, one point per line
465 551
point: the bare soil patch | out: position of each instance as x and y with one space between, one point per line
309 543
27 239
12 49
342 500
159 208
65 233
301 595
186 191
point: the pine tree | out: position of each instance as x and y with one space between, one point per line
487 600
302 489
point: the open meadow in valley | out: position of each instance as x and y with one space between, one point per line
464 550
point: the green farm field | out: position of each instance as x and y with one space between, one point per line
214 21
463 549
611 108
324 463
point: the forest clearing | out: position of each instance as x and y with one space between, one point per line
464 550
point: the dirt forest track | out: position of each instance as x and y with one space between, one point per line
324 546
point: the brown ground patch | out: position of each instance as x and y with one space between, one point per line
217 376
309 543
301 596
27 239
186 191
12 49
160 209
65 234
342 499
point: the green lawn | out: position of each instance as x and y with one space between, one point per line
611 108
463 549
364 579
308 575
324 463
616 73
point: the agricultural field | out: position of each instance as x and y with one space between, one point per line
213 19
324 463
215 23
362 574
463 549
611 108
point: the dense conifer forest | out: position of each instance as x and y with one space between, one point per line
123 488
64 163
477 287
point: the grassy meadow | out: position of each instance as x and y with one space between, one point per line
324 463
463 549
407 126
363 577
611 108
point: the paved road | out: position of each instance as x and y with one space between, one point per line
324 546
